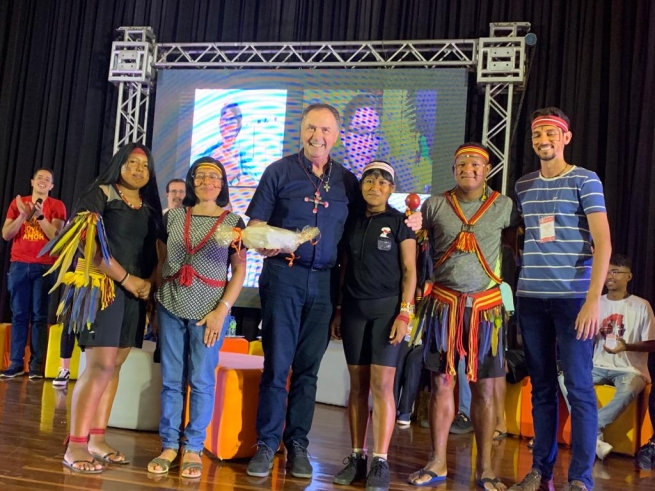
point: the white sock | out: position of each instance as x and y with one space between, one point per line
383 456
359 451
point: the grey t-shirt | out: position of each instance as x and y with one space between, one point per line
462 271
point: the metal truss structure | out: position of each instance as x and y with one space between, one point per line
499 61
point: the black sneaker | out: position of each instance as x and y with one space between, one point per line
260 465
35 375
12 372
298 461
355 470
378 476
646 456
62 378
461 425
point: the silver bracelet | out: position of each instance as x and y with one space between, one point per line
227 304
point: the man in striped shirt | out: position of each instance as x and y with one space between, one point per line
559 291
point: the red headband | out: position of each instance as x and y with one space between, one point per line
140 151
470 149
550 120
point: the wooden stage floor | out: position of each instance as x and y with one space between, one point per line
33 422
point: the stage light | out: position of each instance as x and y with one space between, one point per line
530 39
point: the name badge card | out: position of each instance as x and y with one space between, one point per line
547 229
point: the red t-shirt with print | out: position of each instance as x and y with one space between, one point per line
30 239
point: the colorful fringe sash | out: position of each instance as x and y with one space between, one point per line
441 316
84 296
466 240
88 289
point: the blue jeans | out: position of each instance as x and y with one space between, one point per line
185 358
28 289
548 329
296 311
628 386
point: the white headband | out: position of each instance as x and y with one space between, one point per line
378 164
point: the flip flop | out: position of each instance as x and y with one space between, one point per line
499 435
434 478
165 464
71 466
488 480
105 458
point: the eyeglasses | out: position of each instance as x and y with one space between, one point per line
212 177
614 272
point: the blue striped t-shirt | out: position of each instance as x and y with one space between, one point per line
562 267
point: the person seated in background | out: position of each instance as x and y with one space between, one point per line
175 191
620 359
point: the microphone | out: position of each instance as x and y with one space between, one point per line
29 217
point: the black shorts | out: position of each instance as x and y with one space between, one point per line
490 367
120 325
365 329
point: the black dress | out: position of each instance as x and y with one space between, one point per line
132 236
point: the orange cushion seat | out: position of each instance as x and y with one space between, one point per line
513 396
235 344
231 433
646 430
256 348
5 341
5 347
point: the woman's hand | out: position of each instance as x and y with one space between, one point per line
145 289
138 287
213 323
399 330
335 325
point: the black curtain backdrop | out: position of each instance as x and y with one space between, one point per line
594 59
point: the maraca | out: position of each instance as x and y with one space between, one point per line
413 201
